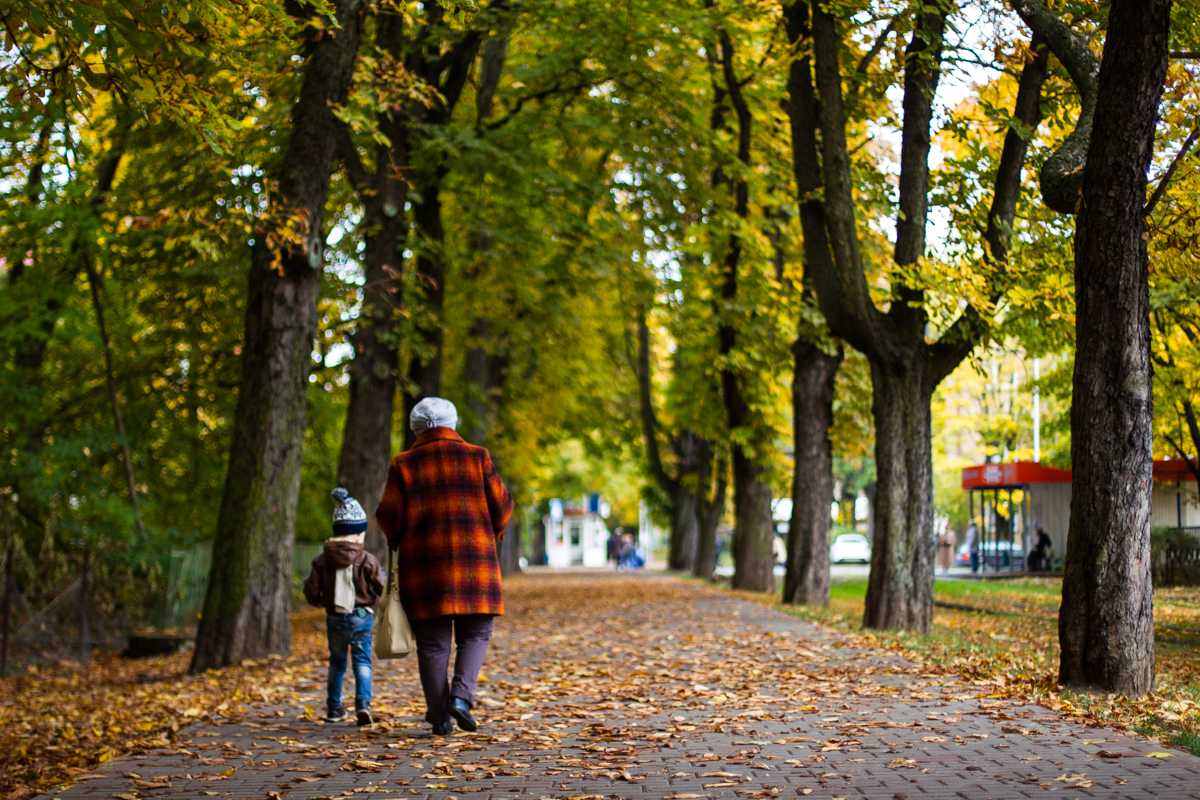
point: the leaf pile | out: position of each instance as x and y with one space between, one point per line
58 722
1012 652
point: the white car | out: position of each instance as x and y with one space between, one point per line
850 547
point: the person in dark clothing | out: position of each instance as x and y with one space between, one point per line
347 580
614 548
1039 557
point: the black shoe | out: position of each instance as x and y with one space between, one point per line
335 713
443 728
459 709
363 713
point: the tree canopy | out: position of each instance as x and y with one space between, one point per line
697 257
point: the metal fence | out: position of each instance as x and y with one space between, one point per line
1175 557
69 627
188 583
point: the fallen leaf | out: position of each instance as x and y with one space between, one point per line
1160 754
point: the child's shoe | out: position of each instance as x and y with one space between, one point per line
363 713
335 712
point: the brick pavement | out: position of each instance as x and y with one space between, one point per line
606 687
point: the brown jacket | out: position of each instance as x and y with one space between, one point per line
368 575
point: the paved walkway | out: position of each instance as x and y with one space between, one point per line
601 687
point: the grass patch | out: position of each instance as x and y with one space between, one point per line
1011 649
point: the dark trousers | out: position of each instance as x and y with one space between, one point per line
471 633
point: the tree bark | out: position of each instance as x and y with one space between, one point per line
684 531
708 515
1106 623
681 552
248 604
900 587
806 581
367 435
905 368
1061 175
447 69
110 378
754 528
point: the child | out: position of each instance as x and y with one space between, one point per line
347 581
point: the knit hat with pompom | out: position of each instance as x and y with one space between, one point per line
348 517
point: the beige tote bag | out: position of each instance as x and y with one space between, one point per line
393 634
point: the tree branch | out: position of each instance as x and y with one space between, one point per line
1061 176
1161 189
843 294
359 178
922 70
649 419
861 73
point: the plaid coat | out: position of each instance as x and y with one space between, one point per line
443 510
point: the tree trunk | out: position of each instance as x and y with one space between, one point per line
807 578
684 530
110 376
475 377
900 588
753 528
708 517
681 552
367 436
510 547
248 605
905 368
806 581
1106 623
425 368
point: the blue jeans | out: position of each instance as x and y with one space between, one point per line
349 631
974 562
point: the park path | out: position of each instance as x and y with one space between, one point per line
616 687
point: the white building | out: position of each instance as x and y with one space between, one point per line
577 539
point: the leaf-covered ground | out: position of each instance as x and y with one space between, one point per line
1011 646
603 659
58 722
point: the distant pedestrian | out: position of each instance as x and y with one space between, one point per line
346 580
972 539
1039 557
614 548
778 550
444 509
629 557
946 544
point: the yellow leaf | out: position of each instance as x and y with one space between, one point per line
1160 754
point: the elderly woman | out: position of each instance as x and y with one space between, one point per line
443 510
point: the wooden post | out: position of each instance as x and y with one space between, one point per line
8 584
83 620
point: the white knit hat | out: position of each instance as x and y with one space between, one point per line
433 412
348 517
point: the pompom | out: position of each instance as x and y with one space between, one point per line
340 494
